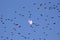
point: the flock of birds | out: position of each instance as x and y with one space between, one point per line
35 24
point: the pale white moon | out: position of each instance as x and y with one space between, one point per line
30 22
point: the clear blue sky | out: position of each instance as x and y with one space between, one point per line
14 16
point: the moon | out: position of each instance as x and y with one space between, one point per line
30 21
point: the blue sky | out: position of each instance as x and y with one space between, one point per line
14 16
